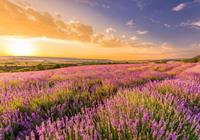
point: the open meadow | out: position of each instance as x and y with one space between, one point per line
113 102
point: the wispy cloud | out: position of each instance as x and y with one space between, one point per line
152 20
130 23
194 24
179 7
142 32
141 4
167 25
110 30
134 38
185 5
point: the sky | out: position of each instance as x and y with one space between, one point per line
100 29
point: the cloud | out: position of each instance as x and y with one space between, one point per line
142 32
152 20
107 40
134 38
196 23
110 30
167 25
26 21
32 18
193 24
23 3
130 23
180 7
141 4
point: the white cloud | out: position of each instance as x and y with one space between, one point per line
142 32
196 23
193 24
73 20
180 7
130 23
134 38
110 30
167 25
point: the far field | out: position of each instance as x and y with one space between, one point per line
22 64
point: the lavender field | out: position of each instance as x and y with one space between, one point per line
111 102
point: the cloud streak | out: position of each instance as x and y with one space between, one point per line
141 4
130 23
185 5
194 24
180 7
142 32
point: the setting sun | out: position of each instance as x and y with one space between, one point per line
19 47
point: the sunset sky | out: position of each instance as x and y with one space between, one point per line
100 29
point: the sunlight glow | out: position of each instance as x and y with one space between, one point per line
20 47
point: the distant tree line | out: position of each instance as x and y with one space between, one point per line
192 60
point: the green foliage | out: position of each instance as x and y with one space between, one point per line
192 60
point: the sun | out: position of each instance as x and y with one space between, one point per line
21 47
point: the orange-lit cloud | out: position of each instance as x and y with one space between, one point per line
22 20
26 21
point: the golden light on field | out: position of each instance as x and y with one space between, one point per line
20 47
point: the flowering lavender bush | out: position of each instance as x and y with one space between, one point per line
133 101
